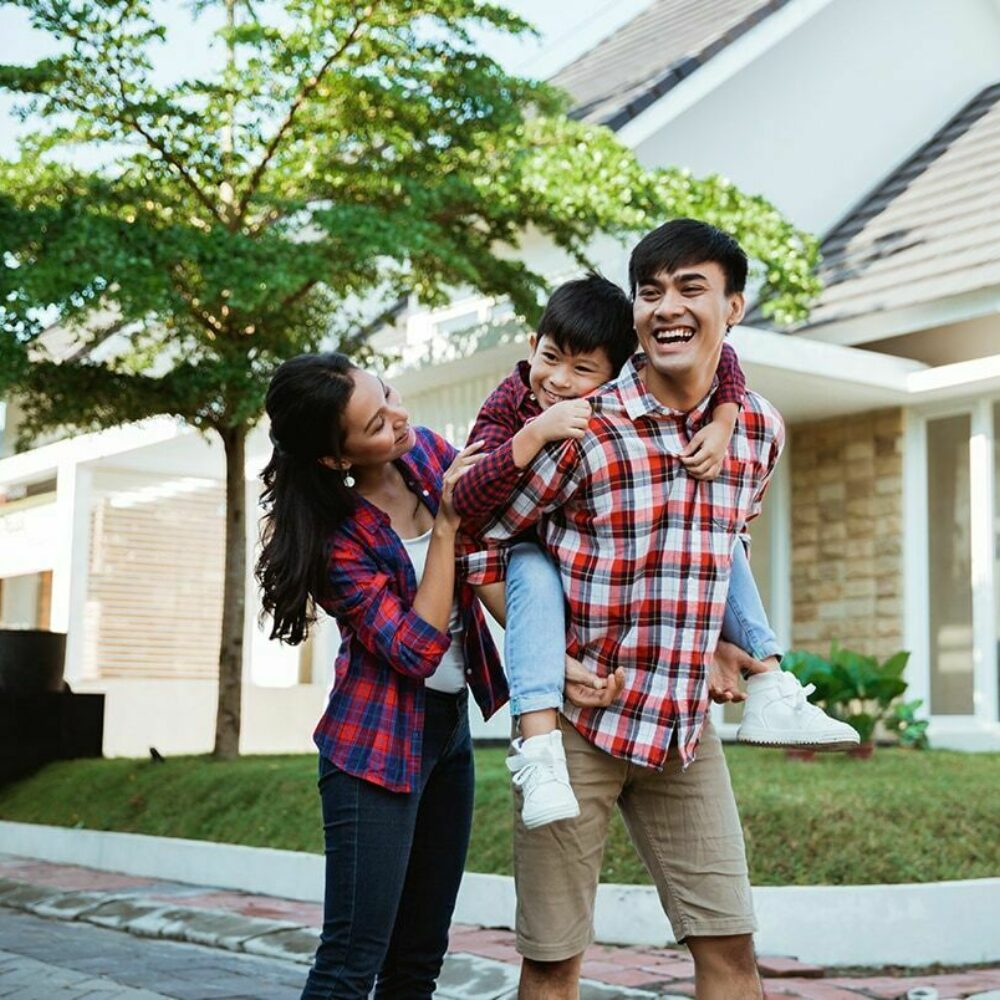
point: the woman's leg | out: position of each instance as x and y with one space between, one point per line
437 859
368 834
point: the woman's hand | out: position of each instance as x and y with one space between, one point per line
586 690
447 516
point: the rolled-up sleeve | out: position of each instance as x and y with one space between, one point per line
361 597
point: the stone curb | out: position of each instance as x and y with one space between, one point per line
825 925
142 917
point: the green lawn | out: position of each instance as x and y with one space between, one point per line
901 817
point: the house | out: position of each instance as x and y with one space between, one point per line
876 125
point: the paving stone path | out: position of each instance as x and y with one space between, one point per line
281 935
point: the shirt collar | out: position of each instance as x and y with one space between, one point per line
524 395
640 402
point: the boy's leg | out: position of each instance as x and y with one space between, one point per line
535 657
687 831
776 712
556 870
745 622
534 641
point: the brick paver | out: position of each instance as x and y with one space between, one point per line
287 929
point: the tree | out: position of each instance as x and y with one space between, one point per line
345 156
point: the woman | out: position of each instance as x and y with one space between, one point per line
359 521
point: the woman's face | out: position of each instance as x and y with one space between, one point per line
376 427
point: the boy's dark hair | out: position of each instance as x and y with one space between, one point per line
590 313
681 243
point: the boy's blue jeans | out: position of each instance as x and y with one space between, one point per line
535 636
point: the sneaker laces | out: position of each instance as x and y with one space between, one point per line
798 695
531 768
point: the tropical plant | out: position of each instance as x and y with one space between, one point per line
903 721
851 686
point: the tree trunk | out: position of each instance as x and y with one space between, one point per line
227 720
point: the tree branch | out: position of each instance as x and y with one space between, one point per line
303 95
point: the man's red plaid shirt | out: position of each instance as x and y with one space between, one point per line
486 487
644 551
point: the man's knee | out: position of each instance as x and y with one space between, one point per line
734 952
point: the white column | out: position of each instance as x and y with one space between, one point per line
916 571
780 500
984 626
70 565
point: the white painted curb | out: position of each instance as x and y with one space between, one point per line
949 922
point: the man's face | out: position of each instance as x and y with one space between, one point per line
556 375
681 319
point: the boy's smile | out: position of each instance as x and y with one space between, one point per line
556 375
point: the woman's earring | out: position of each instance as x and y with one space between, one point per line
348 478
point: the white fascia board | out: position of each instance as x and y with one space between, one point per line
874 326
720 68
960 379
31 465
811 357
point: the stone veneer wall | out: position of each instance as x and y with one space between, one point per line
847 533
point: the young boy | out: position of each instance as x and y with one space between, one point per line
584 337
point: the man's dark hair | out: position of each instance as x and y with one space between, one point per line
681 243
591 313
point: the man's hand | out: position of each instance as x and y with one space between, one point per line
586 690
724 674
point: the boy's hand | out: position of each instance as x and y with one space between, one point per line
706 451
567 419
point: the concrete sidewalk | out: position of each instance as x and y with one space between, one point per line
482 964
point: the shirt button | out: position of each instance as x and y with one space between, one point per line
425 493
468 673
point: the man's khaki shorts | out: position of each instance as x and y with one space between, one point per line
684 824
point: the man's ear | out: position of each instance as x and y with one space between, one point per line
737 308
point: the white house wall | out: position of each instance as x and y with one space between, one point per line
821 117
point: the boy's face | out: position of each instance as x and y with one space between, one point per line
556 375
681 319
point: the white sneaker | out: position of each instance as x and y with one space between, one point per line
539 768
776 714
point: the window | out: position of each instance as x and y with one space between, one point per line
949 510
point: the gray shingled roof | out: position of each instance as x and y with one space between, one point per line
626 72
930 231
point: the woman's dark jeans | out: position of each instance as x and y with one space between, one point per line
394 862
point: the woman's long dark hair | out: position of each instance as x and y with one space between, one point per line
303 500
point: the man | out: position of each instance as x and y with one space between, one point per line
644 552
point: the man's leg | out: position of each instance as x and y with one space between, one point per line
556 868
687 831
550 980
725 967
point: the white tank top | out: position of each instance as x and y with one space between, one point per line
450 674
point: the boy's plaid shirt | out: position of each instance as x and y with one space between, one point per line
487 486
644 551
373 723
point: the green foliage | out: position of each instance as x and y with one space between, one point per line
342 157
903 721
829 822
851 686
